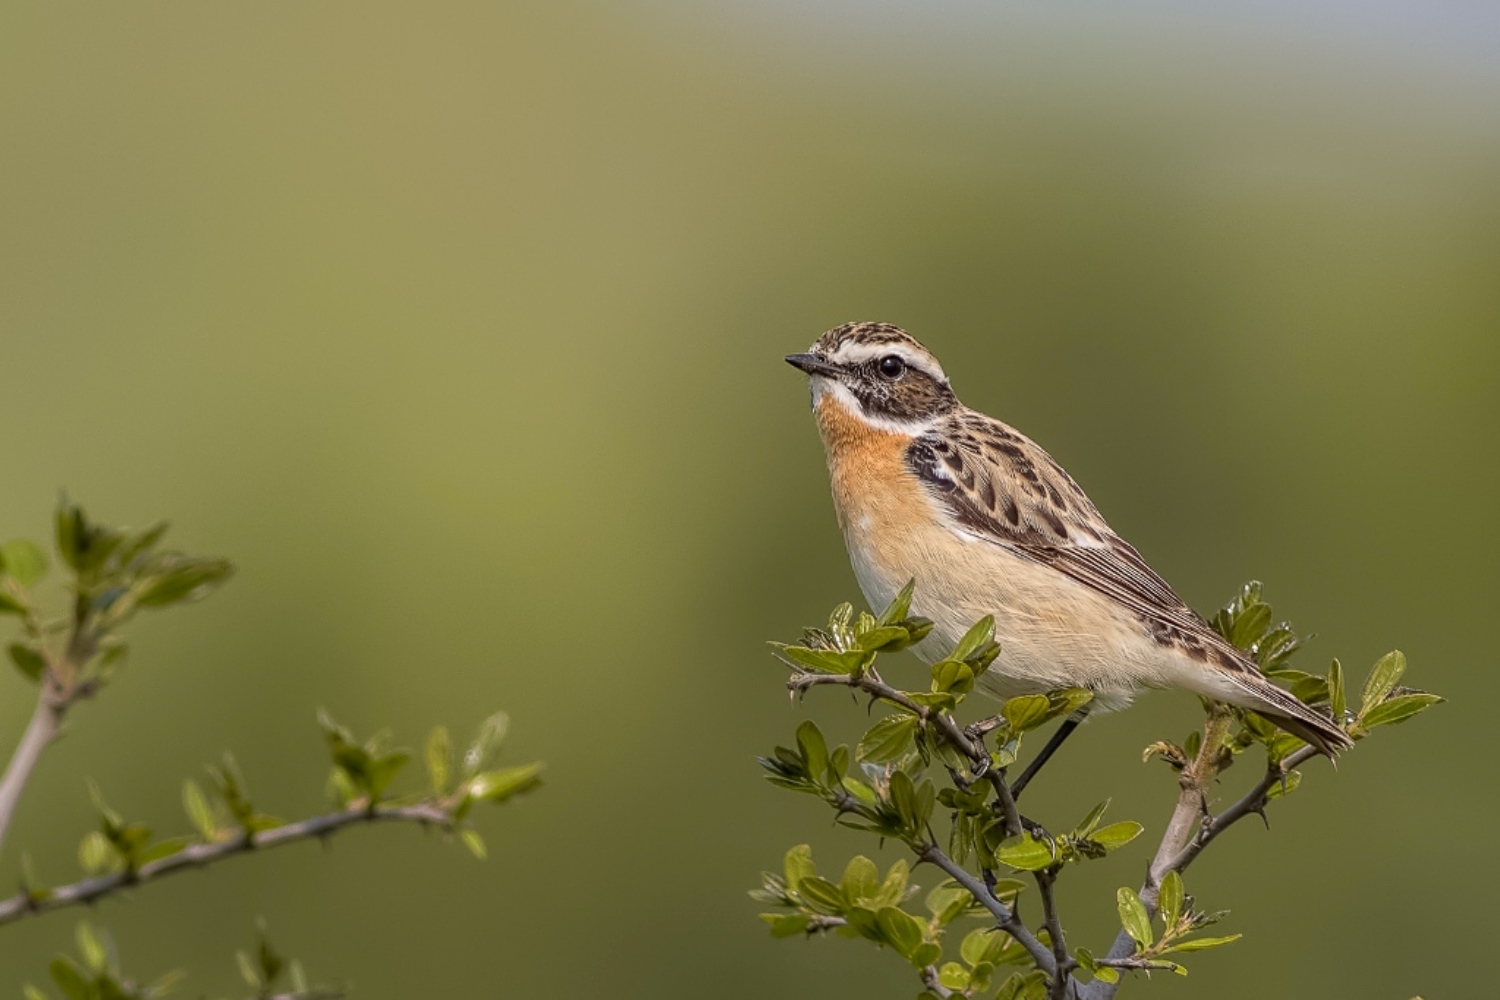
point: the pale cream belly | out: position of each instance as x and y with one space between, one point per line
1053 632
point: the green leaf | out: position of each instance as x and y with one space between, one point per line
247 970
1026 711
926 954
882 638
903 796
1026 854
1088 823
821 895
1106 974
486 743
948 901
861 879
797 865
1399 709
1203 944
860 790
27 660
9 603
784 925
953 976
271 964
474 842
899 607
824 661
195 803
141 542
1336 690
439 757
900 929
1024 986
164 849
70 978
1066 701
176 578
95 853
1133 917
95 955
893 888
814 748
890 738
979 635
1286 786
1383 677
1251 625
1116 835
984 944
1306 687
1170 899
497 786
23 561
383 770
861 921
952 676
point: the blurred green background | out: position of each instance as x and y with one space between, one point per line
459 327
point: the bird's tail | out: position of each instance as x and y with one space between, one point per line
1282 708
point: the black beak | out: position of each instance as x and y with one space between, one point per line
813 364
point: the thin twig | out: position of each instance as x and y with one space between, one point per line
1253 803
1060 989
88 891
934 984
43 728
1004 916
60 690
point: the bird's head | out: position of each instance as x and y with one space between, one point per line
879 373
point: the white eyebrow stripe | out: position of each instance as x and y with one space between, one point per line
852 353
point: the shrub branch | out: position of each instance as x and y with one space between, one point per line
86 892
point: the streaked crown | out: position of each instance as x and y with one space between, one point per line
886 373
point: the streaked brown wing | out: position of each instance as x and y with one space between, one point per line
1000 486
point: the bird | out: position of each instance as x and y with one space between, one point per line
987 523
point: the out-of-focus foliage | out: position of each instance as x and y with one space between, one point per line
96 974
112 572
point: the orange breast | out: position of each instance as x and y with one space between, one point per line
878 500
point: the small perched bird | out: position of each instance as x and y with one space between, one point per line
988 524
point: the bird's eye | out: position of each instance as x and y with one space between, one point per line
891 366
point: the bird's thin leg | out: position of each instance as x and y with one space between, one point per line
1063 732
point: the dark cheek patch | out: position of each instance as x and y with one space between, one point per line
914 396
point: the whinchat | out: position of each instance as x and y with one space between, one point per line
987 523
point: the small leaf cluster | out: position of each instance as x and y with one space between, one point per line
849 645
889 794
863 904
269 973
1179 921
362 772
223 814
95 974
1086 841
1247 622
113 573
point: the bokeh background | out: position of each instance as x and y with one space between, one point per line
459 327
